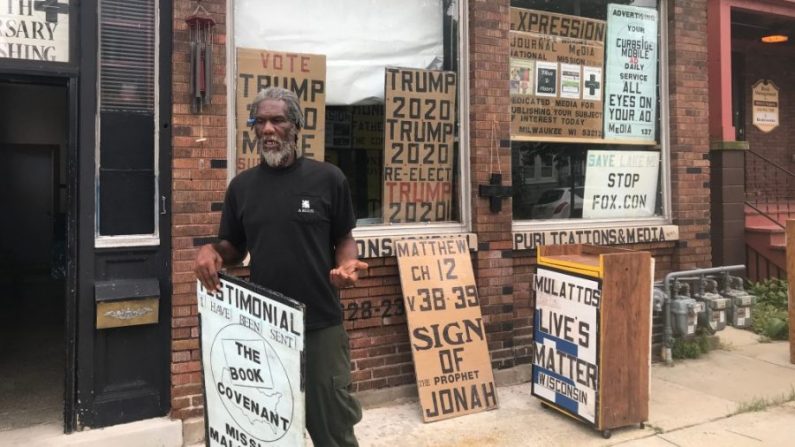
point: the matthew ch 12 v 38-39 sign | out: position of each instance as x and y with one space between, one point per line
252 346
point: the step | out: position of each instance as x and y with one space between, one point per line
161 432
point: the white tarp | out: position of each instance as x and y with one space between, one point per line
358 37
252 343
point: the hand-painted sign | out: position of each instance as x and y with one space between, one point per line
304 74
620 184
566 341
446 330
419 148
252 344
35 30
631 73
764 105
531 240
556 76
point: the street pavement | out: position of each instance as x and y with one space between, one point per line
742 394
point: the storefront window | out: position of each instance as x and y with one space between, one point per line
586 110
379 83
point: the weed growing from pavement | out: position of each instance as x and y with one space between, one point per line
762 403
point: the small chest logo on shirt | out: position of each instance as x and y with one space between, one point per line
306 207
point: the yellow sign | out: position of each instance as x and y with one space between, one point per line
764 102
304 74
446 329
419 151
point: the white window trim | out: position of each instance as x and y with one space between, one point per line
665 163
429 228
129 240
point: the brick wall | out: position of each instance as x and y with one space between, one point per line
690 168
199 181
375 319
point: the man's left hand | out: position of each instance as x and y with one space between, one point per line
347 274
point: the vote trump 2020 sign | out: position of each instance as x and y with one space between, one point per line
252 347
566 346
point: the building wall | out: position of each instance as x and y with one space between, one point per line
380 351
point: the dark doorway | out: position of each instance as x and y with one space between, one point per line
34 137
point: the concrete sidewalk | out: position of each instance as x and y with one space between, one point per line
740 395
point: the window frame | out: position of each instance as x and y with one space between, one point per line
664 146
464 223
129 240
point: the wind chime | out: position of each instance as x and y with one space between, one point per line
201 59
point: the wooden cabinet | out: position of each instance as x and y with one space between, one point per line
592 329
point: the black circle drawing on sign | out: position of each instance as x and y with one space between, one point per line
244 400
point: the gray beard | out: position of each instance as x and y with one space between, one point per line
279 157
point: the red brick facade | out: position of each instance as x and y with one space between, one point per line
381 355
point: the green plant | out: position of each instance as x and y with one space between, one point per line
762 403
693 348
769 314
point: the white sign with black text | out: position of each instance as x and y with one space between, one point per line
36 30
631 73
252 345
565 341
620 184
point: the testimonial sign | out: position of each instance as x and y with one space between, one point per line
304 74
446 330
35 30
631 87
252 344
620 184
565 341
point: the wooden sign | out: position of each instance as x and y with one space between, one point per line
304 74
566 341
556 76
419 152
764 102
252 348
446 329
631 87
35 30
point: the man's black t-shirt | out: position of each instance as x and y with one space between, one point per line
288 220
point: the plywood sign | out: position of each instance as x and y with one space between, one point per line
764 102
446 329
252 347
631 89
565 341
304 74
556 76
419 130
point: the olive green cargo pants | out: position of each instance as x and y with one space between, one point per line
331 410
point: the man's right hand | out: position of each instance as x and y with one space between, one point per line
208 263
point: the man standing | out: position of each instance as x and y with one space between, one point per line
294 217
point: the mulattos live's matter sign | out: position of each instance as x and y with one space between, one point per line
252 344
446 329
764 105
565 341
556 76
631 79
620 184
35 30
304 74
419 131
